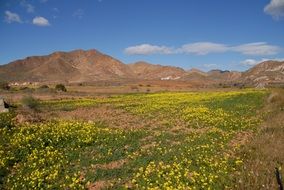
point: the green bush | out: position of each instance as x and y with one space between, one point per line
60 87
30 102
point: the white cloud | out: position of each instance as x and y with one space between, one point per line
29 8
253 62
275 8
203 48
40 21
211 65
258 48
147 49
79 13
12 17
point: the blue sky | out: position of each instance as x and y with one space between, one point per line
204 34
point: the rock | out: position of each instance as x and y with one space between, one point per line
3 107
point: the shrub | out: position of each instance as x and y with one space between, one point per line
4 85
26 89
60 87
30 102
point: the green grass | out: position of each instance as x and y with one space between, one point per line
188 144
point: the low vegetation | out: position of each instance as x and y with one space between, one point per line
263 153
6 120
4 85
30 102
188 141
44 86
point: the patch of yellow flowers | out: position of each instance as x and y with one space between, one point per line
35 155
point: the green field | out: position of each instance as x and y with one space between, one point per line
188 140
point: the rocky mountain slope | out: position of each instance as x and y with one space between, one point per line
74 66
265 73
144 70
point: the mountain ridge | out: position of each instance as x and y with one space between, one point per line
92 65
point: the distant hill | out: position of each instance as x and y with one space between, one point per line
144 70
91 65
264 74
74 66
227 76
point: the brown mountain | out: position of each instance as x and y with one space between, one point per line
226 76
265 73
91 65
74 66
196 75
144 70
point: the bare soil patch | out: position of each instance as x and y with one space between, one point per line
112 165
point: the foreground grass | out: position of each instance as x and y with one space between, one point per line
264 150
191 144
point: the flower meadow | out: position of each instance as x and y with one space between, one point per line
190 143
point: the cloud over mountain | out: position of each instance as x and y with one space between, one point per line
204 48
147 49
258 48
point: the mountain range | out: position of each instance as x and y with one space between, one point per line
91 65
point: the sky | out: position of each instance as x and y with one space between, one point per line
203 34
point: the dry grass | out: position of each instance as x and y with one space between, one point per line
265 151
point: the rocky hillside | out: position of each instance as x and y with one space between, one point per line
74 66
268 73
90 66
143 70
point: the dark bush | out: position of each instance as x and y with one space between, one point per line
26 89
4 85
60 87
